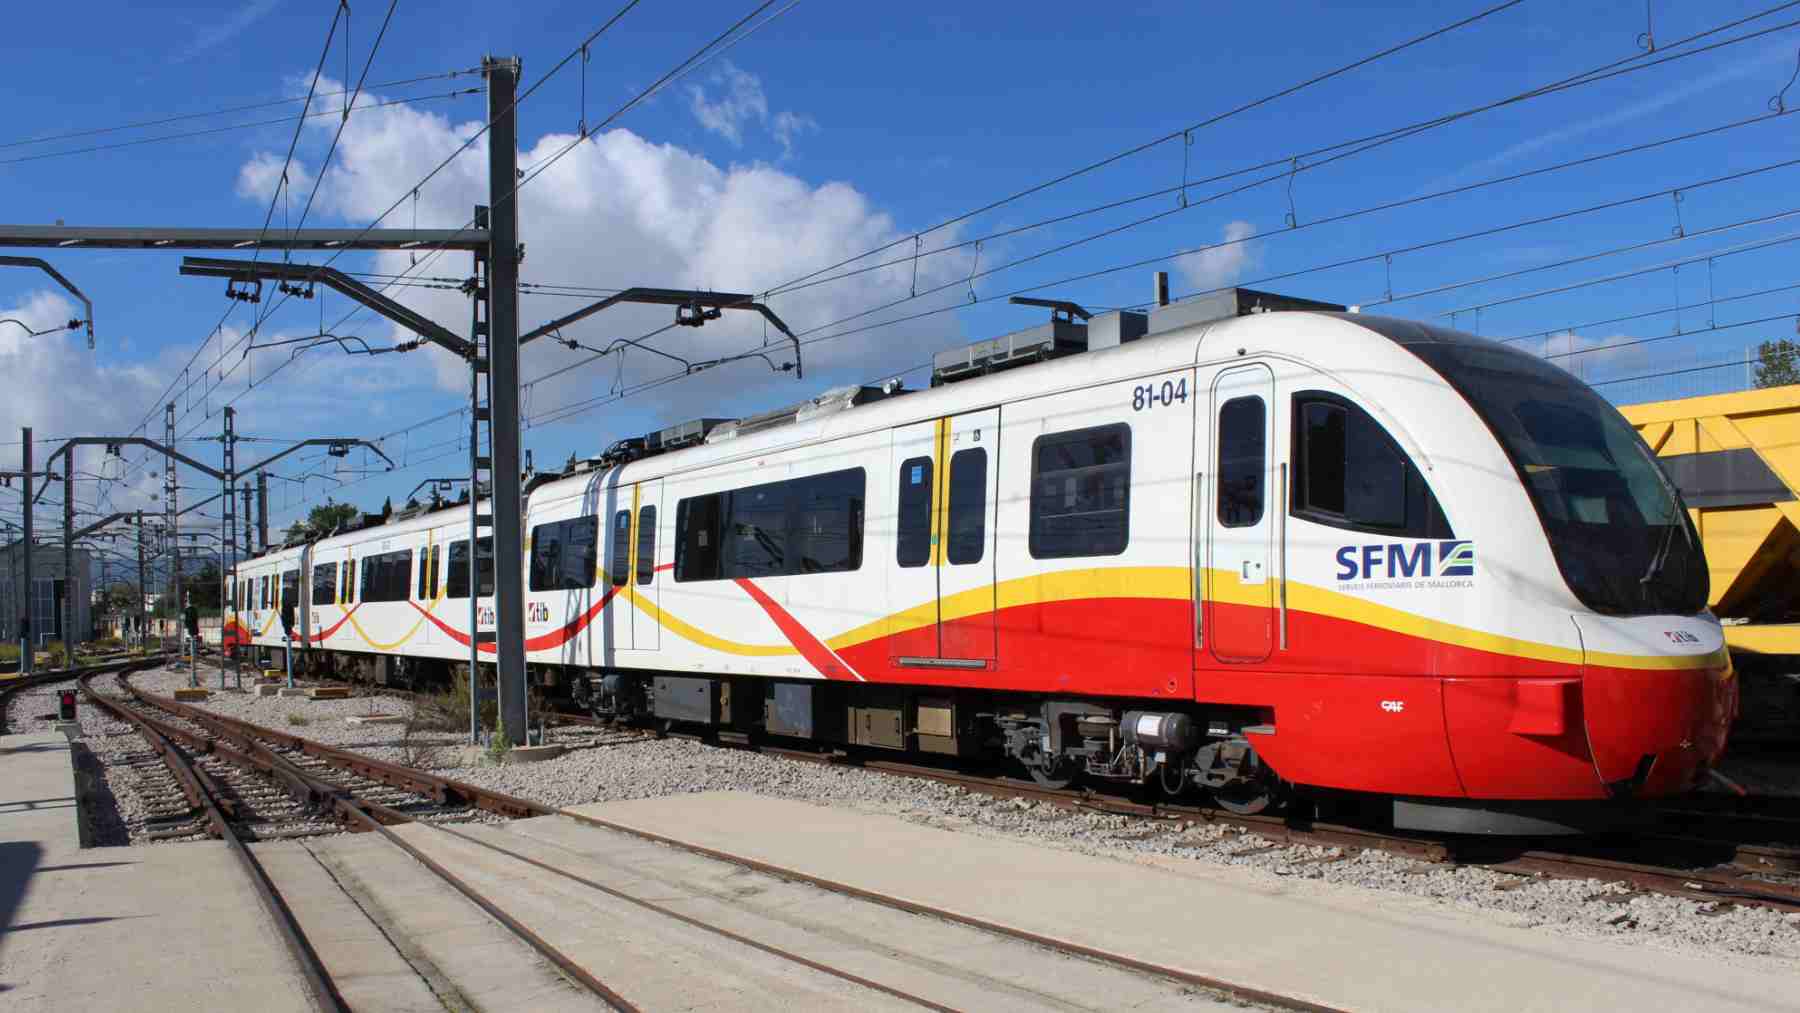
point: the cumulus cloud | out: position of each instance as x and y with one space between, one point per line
260 177
620 209
1226 262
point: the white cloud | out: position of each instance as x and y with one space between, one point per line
259 178
741 104
1226 262
788 126
619 210
220 32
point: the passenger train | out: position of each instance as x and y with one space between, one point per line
1267 551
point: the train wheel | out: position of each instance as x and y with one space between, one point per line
1250 796
1056 776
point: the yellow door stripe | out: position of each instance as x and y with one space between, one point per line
940 491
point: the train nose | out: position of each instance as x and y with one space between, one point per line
1655 721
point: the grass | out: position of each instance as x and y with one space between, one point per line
298 719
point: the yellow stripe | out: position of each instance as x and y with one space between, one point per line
372 642
703 638
939 491
631 550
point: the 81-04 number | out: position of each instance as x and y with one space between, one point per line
1164 394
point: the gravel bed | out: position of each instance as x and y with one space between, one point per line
118 809
614 767
32 711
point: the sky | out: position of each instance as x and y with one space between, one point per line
834 130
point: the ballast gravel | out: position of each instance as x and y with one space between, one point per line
604 766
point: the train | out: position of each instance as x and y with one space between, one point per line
1247 546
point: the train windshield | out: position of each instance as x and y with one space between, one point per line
1616 524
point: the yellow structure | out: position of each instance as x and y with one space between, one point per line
1736 458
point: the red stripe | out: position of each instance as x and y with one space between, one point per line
316 638
816 653
541 642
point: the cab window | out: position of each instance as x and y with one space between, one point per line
1349 473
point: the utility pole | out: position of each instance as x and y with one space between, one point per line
262 509
171 521
503 426
69 595
28 656
143 586
230 462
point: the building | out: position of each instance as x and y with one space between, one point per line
46 597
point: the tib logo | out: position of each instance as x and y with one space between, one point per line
1400 560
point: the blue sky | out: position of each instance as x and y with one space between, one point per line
839 127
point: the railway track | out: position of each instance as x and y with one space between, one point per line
303 768
16 689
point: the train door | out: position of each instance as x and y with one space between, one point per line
1240 596
941 580
430 562
640 590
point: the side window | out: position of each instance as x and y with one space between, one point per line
966 526
1081 492
778 529
456 581
620 571
290 588
1243 461
324 584
825 523
913 529
1350 473
262 592
385 577
424 579
563 554
697 538
646 545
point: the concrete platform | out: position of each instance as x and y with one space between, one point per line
156 928
1339 947
376 719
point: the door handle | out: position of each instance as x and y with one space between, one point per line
1246 569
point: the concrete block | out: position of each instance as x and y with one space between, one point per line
70 728
532 754
329 692
376 719
192 693
269 689
290 691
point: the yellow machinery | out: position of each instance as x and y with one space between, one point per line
1736 459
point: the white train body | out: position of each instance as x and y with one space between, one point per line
1319 524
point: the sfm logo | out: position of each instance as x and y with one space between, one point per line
1399 560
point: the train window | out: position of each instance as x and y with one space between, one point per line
646 545
456 582
385 576
913 532
1351 474
1243 461
324 584
429 571
262 592
966 526
804 525
290 588
620 570
564 554
1081 492
826 525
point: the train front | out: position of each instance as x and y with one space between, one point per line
1642 705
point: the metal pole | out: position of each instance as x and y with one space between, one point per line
476 410
288 653
262 509
172 521
230 546
27 656
68 609
503 427
143 587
